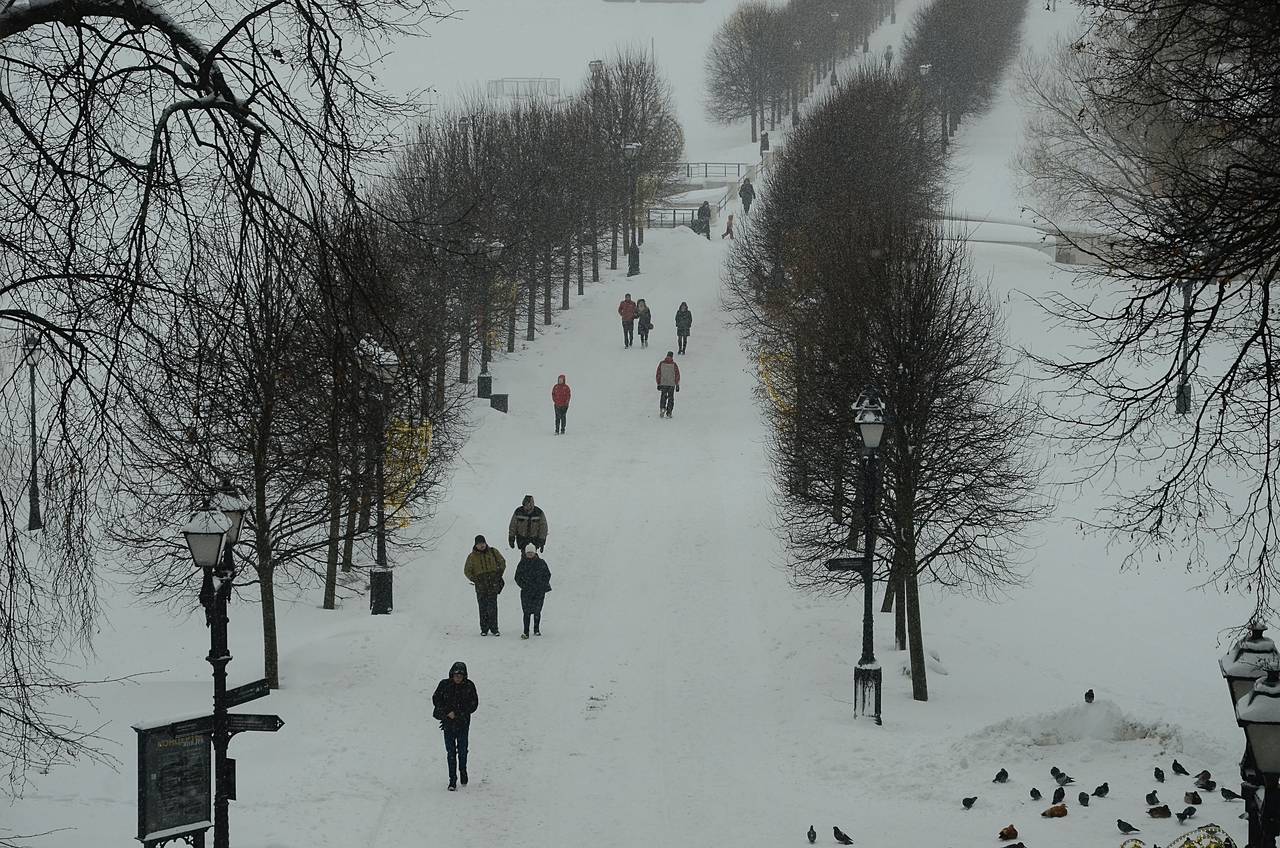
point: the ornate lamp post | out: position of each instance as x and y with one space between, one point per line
597 74
835 16
630 154
795 100
1258 713
31 353
491 252
1243 665
383 365
869 415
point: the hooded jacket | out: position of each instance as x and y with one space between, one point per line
457 698
668 373
484 569
533 576
560 392
528 525
645 315
627 310
684 320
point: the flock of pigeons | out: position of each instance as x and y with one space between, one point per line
1204 782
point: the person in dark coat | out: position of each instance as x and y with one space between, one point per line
684 320
704 218
528 524
454 701
484 569
747 194
533 576
644 321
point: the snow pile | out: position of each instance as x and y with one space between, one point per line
1101 721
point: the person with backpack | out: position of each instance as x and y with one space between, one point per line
528 524
747 194
644 321
704 219
484 569
684 320
533 576
668 377
453 702
560 394
627 311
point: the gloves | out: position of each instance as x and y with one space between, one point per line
511 542
677 388
542 547
659 388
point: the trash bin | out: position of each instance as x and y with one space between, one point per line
380 592
484 385
498 402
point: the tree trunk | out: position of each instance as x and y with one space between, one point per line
900 616
595 246
334 470
353 503
613 247
548 271
568 274
511 324
270 643
531 331
919 683
754 137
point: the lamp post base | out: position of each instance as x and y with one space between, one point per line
866 687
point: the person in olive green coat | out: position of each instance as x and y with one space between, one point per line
484 569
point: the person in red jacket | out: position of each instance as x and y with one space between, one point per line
627 311
668 377
560 393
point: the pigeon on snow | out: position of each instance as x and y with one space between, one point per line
1084 799
1088 696
1179 769
1124 827
1185 814
1035 794
841 836
1002 776
1159 774
1152 798
1160 812
812 834
1228 795
1059 794
1101 791
968 802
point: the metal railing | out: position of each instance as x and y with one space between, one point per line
670 218
703 170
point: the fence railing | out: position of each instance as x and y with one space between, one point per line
703 170
670 218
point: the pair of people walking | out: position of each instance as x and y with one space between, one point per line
631 312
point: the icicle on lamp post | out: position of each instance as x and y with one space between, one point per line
31 353
1242 667
383 365
870 417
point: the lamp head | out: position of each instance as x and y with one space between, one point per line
869 415
204 532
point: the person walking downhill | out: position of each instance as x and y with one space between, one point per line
627 311
644 322
684 320
454 701
888 57
668 377
747 194
728 228
528 524
560 394
484 569
533 576
704 218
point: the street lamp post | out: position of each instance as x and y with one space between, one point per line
211 535
795 100
925 70
869 415
597 73
630 153
383 365
1258 712
835 37
1246 662
492 252
31 352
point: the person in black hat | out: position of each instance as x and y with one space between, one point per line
484 569
455 699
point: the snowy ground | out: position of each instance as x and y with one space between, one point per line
684 694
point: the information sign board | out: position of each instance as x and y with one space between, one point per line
174 785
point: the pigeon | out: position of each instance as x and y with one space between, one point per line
1088 696
1059 794
1192 798
1159 773
812 834
1064 779
841 836
1084 799
1101 791
1228 795
1002 776
1007 833
1207 785
1152 798
1124 827
1185 814
1204 775
1035 794
1179 769
1055 771
1057 811
968 802
1160 812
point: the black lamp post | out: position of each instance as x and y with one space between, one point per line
31 352
1258 713
211 535
795 99
835 16
630 154
491 252
1242 666
383 365
597 74
925 70
869 415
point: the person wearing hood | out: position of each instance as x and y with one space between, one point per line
746 194
560 394
644 320
704 219
533 576
454 701
684 320
528 524
668 377
484 569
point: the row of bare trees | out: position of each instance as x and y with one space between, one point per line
765 58
845 278
1152 145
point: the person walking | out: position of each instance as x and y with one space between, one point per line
484 569
533 576
704 218
528 524
747 194
454 701
644 322
888 57
560 394
627 311
684 320
668 377
728 228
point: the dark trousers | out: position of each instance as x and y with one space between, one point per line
666 399
455 747
488 612
707 224
628 332
561 412
644 335
746 205
532 606
683 340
